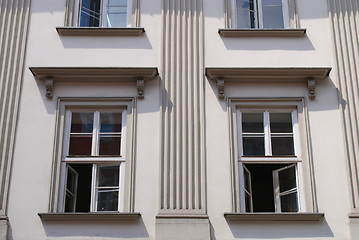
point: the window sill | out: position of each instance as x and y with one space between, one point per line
286 32
97 31
276 217
85 217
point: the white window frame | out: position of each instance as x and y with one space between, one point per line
74 13
61 158
302 159
259 14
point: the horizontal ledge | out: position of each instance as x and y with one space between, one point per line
99 31
273 216
182 216
94 73
267 73
3 217
354 215
89 216
252 32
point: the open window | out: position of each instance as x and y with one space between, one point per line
104 13
94 159
271 159
261 13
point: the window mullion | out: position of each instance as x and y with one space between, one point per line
103 13
95 139
93 205
258 13
267 137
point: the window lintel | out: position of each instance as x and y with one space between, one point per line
89 74
309 75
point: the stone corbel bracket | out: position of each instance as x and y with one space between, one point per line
309 75
50 75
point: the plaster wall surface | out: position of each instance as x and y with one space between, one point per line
33 157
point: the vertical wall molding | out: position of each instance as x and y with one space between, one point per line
345 25
182 122
14 20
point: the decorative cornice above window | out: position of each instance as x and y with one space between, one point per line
96 74
99 31
309 75
253 32
261 217
85 217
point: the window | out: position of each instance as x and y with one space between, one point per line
93 156
261 13
264 14
94 160
104 13
270 160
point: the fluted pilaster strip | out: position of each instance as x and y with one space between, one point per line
182 107
344 16
14 15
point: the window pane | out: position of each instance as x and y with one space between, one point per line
272 17
252 123
253 146
90 13
108 176
116 16
80 145
248 203
110 122
282 145
287 179
82 122
289 203
69 203
281 122
110 145
71 181
271 2
107 200
117 2
245 14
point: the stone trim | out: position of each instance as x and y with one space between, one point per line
98 31
85 217
244 217
253 32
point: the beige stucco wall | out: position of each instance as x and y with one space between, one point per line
32 162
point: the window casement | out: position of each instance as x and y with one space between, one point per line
261 14
267 160
93 167
102 13
271 157
94 160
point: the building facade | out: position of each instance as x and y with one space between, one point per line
179 119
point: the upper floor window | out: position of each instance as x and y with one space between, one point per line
261 13
103 13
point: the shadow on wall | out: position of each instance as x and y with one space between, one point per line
113 229
106 42
274 230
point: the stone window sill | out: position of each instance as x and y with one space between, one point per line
99 31
266 217
252 32
86 217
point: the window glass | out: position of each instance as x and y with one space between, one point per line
245 14
110 122
282 145
90 13
287 179
82 122
253 146
289 203
281 122
116 13
272 16
108 176
107 200
252 122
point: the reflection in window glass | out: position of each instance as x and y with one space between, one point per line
90 13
